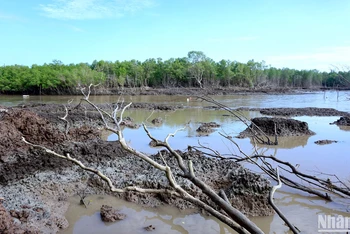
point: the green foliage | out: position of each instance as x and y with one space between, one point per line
194 70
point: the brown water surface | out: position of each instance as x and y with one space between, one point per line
300 211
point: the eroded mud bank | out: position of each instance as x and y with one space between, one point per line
37 184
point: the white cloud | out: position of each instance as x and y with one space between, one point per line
322 59
92 9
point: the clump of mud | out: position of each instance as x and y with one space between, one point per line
207 128
325 142
343 121
279 126
152 106
157 121
109 214
307 111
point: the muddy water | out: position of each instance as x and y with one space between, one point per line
302 212
301 209
331 99
165 219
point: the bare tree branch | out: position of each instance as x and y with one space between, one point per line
278 211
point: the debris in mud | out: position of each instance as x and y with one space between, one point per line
150 228
157 121
325 142
109 214
343 121
284 127
207 128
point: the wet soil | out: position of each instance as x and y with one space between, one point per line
343 121
309 111
35 186
290 112
276 126
206 128
195 91
110 214
325 142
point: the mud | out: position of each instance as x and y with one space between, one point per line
8 224
207 128
109 214
290 112
343 121
196 91
157 121
35 186
309 111
284 127
325 142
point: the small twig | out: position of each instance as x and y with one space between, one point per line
278 211
223 195
64 118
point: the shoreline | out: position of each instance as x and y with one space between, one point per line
189 91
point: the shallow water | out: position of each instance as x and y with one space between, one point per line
165 219
300 211
300 208
331 99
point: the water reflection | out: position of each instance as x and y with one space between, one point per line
298 150
344 128
300 210
165 219
284 143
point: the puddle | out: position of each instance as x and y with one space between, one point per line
165 219
300 210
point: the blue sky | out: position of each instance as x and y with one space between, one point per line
302 34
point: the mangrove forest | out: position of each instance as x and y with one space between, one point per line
195 70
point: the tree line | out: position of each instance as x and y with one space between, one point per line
195 70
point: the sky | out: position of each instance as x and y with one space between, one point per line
300 34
